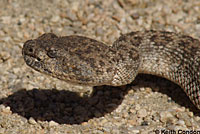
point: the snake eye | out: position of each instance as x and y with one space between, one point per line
52 53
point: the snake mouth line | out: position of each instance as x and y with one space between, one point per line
33 61
36 63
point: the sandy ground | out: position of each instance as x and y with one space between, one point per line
34 103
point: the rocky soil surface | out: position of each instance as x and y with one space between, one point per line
35 103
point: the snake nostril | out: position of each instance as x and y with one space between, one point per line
30 50
38 59
29 47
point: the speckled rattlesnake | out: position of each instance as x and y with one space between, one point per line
83 60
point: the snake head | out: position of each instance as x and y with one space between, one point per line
74 59
37 52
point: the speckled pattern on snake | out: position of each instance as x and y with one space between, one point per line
82 60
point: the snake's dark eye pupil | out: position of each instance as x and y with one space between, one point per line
51 53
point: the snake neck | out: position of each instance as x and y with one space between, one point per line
173 56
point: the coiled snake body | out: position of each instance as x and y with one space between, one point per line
82 60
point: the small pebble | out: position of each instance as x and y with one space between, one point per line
181 122
32 121
142 113
53 123
6 110
165 116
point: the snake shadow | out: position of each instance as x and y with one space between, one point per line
62 106
67 107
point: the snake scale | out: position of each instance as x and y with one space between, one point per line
82 60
